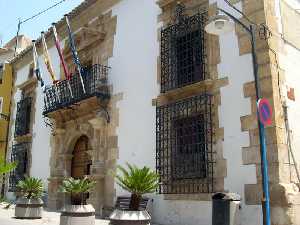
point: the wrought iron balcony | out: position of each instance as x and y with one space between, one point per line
70 92
22 125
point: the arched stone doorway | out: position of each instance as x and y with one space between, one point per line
81 161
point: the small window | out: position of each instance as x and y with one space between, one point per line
183 57
189 155
189 58
31 71
1 72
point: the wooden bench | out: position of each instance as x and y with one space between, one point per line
123 203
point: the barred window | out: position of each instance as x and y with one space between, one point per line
184 155
183 58
20 154
22 125
189 155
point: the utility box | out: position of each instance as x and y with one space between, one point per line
226 209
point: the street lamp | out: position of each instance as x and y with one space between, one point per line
221 24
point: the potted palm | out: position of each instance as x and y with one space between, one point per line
78 212
29 205
137 181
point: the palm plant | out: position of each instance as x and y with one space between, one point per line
77 188
31 187
137 181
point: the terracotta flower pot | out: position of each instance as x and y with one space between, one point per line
29 208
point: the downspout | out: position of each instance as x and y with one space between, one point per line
290 149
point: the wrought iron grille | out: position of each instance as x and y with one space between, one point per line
184 154
59 95
183 52
20 154
22 124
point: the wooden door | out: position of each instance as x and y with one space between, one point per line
81 164
80 161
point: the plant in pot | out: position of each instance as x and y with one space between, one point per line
29 205
78 212
137 181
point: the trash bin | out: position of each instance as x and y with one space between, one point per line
226 209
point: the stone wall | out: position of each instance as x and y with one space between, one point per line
94 117
270 78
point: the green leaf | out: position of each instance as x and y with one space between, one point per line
77 186
31 187
137 180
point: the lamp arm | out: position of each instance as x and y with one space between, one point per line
236 20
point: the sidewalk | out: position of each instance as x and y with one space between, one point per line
49 218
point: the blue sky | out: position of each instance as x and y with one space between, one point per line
11 10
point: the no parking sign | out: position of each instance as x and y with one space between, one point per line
264 111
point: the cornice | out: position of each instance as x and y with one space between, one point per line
163 3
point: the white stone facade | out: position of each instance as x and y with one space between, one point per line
133 75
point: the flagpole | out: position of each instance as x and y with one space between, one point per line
49 65
74 53
36 66
62 60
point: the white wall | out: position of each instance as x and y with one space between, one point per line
134 66
289 62
134 74
40 150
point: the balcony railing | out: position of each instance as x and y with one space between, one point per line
67 93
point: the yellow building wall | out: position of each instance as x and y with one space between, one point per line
5 93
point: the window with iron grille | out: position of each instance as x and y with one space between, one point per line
22 124
183 57
20 154
184 155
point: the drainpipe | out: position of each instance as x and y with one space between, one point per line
287 126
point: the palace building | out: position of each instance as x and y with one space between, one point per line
159 91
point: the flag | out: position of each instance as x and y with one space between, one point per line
62 60
47 59
74 52
36 66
